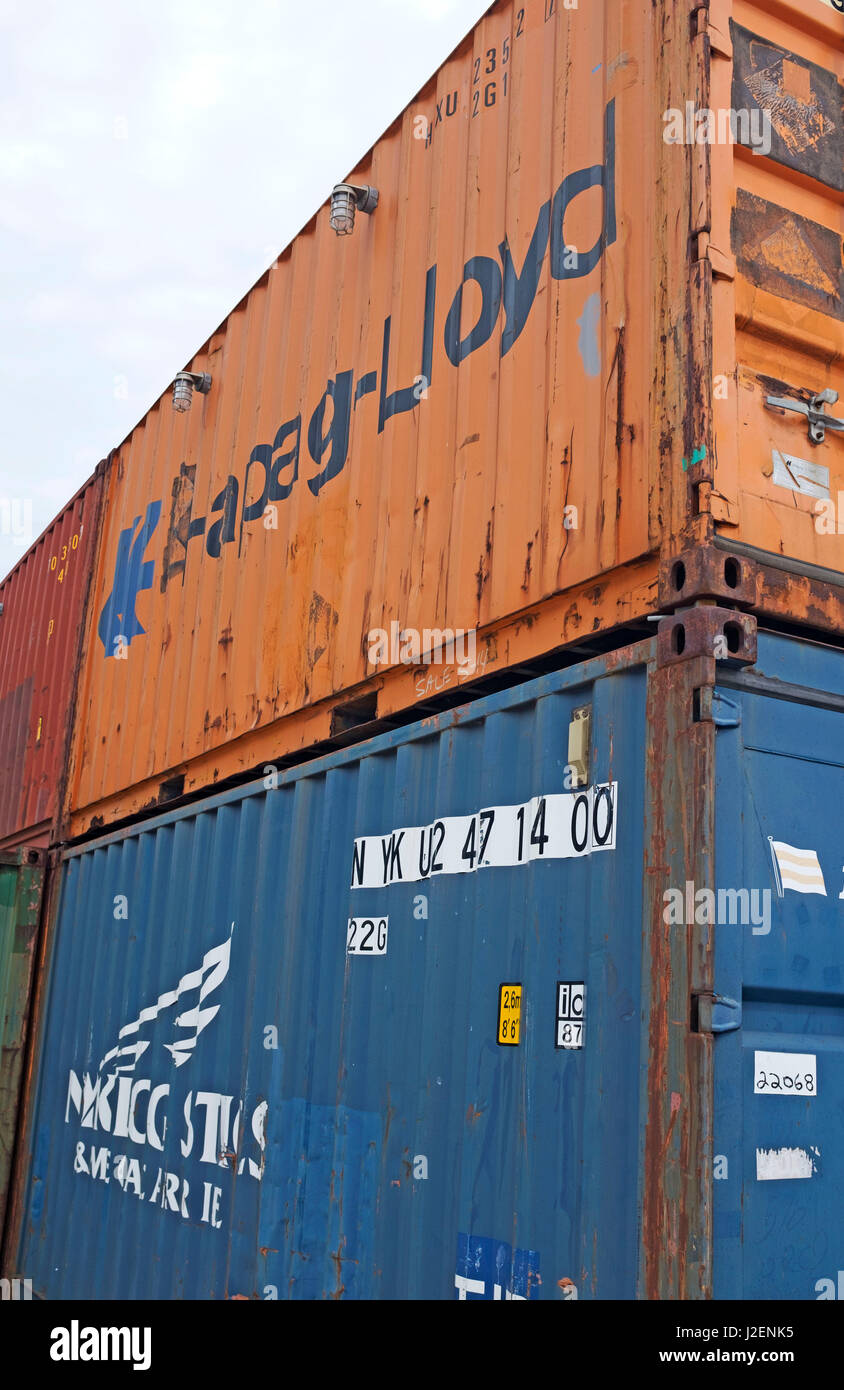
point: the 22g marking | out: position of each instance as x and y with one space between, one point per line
367 936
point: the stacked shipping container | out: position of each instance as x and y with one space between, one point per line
42 615
526 401
43 602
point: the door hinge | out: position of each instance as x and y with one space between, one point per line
716 1013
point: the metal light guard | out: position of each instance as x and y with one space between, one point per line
346 198
183 388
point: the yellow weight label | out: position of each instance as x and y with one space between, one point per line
509 1014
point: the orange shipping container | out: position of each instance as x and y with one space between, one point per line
578 346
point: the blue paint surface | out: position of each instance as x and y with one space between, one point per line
386 1143
392 1119
503 1273
780 773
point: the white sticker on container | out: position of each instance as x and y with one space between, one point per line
785 1074
779 1165
367 936
800 475
561 825
571 1014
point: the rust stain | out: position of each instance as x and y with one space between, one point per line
788 254
784 91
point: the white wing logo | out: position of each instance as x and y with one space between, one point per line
209 976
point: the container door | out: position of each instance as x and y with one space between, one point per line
777 87
21 884
778 1162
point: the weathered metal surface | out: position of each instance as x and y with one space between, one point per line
528 466
43 608
405 1149
21 884
675 1258
789 255
401 1140
778 1139
777 262
804 104
575 620
707 631
706 572
251 547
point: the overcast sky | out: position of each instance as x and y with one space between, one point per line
154 160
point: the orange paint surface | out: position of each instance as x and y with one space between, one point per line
477 404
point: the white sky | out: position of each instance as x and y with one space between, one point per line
153 162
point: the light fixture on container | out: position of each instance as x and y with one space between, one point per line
183 388
346 198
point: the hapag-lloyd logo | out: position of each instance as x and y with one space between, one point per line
272 470
116 1102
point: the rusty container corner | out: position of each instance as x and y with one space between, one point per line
502 405
43 602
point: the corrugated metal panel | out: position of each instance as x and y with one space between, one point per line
41 624
387 1143
390 1142
582 421
441 509
21 885
778 1143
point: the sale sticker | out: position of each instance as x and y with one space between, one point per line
509 1014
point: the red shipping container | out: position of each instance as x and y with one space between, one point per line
41 620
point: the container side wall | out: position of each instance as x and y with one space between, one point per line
431 425
21 884
257 1080
43 611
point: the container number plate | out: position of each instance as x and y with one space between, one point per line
367 936
509 1014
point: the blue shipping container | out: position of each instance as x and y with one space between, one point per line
424 1018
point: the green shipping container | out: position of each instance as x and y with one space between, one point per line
21 885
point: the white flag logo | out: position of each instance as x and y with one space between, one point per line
209 976
796 868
